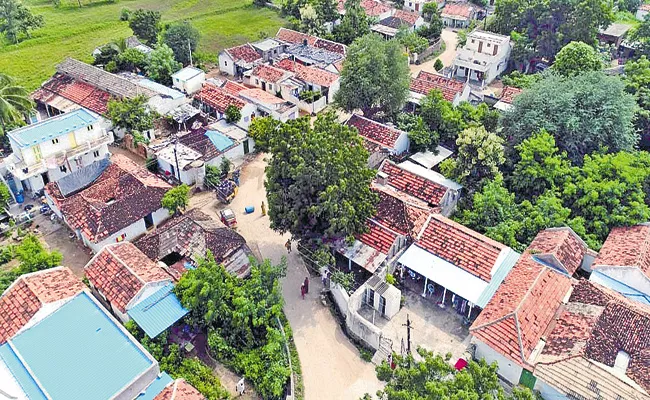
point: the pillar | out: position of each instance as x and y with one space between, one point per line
424 292
470 310
444 294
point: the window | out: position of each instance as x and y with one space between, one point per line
90 127
489 44
225 63
55 141
473 40
63 168
96 153
270 86
257 81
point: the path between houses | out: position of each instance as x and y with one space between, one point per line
331 365
447 57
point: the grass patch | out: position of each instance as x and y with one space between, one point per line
627 18
75 32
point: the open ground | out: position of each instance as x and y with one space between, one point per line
71 31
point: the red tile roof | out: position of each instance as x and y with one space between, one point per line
425 82
218 98
461 246
373 8
415 185
233 88
123 194
626 246
563 244
378 237
22 300
311 74
463 10
509 93
268 73
245 52
645 7
295 37
179 390
119 271
407 16
596 324
78 92
375 131
522 309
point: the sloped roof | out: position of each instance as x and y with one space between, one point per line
509 93
233 88
425 82
191 234
400 215
199 141
378 237
309 74
218 98
462 10
407 16
295 37
245 52
373 8
123 194
592 328
626 246
78 92
268 73
563 244
375 131
119 271
179 390
415 185
527 301
25 297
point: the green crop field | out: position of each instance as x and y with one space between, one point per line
75 32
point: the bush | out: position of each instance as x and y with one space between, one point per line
233 114
309 95
225 166
390 279
125 14
111 66
438 65
212 176
366 355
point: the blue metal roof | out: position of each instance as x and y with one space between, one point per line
622 288
20 373
158 312
156 387
79 353
161 89
219 140
499 275
51 128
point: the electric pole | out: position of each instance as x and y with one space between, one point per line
408 333
189 47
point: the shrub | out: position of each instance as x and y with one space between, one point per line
111 66
309 95
365 355
233 114
438 65
125 14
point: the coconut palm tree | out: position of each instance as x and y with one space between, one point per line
14 102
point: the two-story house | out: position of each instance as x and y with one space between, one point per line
51 149
483 58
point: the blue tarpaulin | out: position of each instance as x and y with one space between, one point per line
158 312
219 140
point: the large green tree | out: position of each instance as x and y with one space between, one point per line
132 115
15 103
354 24
576 58
162 65
16 19
641 37
145 24
637 82
583 113
182 38
318 181
375 77
176 199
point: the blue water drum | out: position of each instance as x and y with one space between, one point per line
20 198
249 209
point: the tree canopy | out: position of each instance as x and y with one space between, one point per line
584 113
318 181
16 20
637 82
576 58
145 24
132 115
375 77
162 65
354 24
176 199
182 38
15 103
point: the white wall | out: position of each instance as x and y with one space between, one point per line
132 231
226 64
507 368
402 143
160 215
547 391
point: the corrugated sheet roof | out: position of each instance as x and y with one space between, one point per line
53 127
219 140
156 387
20 374
158 312
499 275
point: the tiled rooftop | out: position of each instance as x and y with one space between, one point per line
120 271
76 91
373 8
509 93
295 37
378 237
218 98
425 82
561 243
407 16
245 53
123 194
20 302
415 185
309 74
375 131
461 246
179 390
268 73
463 10
233 88
626 246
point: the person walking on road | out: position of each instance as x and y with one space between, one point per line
263 209
302 291
288 245
306 283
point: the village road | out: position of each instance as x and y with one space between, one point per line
447 57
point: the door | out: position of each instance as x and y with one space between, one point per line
480 46
382 305
148 221
370 297
46 178
527 379
246 147
264 86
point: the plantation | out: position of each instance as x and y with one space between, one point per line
76 32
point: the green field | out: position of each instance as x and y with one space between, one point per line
75 32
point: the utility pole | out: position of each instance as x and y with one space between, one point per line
408 333
178 171
189 47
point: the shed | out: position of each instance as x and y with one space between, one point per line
189 79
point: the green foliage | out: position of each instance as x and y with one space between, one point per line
366 355
181 37
133 114
519 80
107 53
413 42
145 24
354 24
375 77
326 10
317 181
345 280
261 129
162 65
576 58
420 136
562 22
125 14
176 199
15 103
241 317
233 114
310 95
435 377
132 60
637 82
16 20
584 113
629 5
642 37
212 176
310 22
438 65
225 165
433 29
33 256
480 154
390 279
440 116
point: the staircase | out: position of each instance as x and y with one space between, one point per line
384 350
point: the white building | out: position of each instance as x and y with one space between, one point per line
458 15
51 149
188 80
642 12
237 60
483 58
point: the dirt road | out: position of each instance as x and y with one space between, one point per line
447 57
331 366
